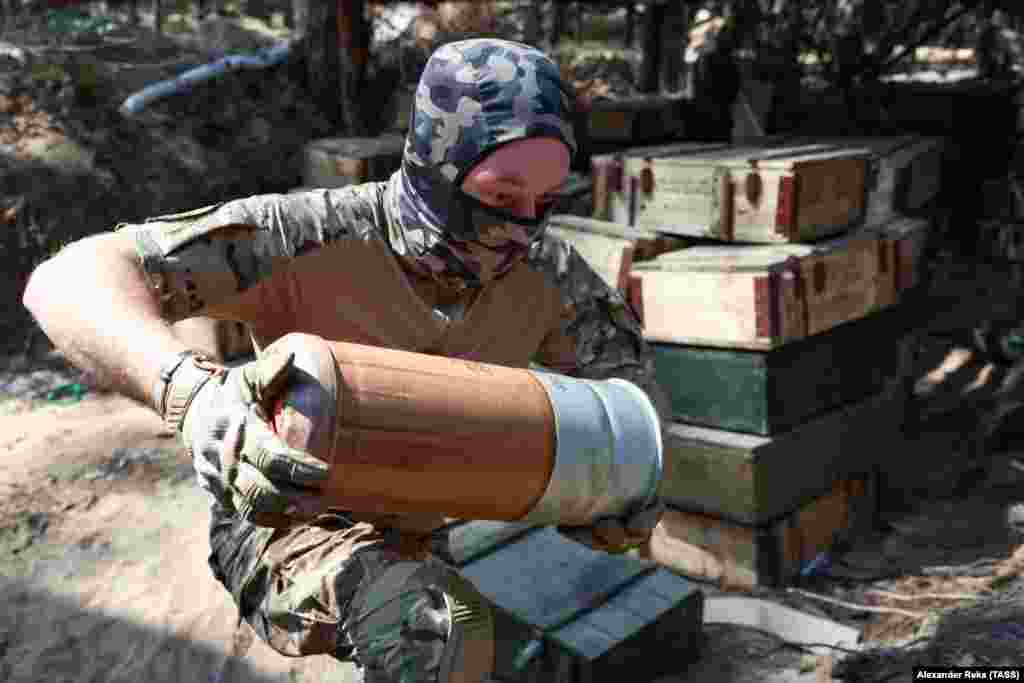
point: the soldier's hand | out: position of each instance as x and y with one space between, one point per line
236 453
618 535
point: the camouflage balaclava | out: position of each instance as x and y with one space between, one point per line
473 97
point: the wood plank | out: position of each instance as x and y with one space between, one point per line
740 556
611 187
545 579
608 248
770 392
736 193
761 296
753 479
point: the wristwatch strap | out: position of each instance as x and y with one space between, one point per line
180 379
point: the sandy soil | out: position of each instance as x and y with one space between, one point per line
113 585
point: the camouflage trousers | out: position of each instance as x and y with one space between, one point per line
340 588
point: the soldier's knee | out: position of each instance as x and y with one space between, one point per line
398 622
421 626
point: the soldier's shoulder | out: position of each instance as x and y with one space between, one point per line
558 260
294 220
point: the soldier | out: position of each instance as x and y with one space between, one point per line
447 257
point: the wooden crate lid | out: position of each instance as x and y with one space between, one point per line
662 151
756 156
586 600
680 432
732 258
878 146
726 259
810 155
599 227
636 606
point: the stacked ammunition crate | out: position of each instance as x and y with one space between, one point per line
776 308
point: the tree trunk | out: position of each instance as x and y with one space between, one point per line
354 57
650 69
533 30
158 17
323 67
299 16
675 38
558 28
630 24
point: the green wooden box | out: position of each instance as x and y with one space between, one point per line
599 617
753 479
709 548
769 392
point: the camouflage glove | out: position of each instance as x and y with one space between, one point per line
222 416
618 535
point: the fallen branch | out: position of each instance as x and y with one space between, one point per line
856 607
923 596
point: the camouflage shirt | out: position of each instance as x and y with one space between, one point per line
242 260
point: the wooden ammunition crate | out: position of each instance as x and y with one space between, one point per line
760 194
709 548
612 188
904 172
609 248
760 297
637 119
906 240
770 392
753 479
337 162
600 617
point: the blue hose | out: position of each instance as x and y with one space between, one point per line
264 59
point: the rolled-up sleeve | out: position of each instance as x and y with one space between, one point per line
203 262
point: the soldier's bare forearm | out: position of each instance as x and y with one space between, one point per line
93 302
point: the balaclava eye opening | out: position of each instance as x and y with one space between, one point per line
473 97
